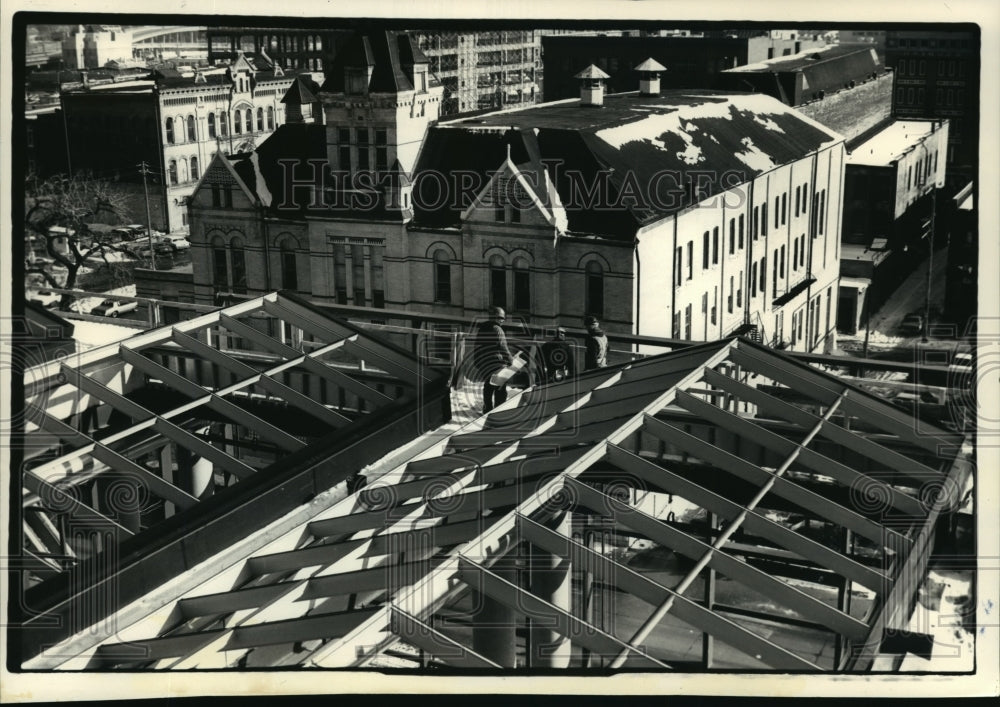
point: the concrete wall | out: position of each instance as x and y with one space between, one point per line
853 111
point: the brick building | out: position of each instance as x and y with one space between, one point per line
175 124
722 211
937 76
844 87
692 62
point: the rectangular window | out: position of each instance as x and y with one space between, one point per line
755 225
774 276
798 199
795 254
227 197
704 251
380 137
715 307
739 292
782 261
345 158
678 266
715 245
216 195
362 135
763 275
784 207
442 282
341 295
805 196
363 158
239 271
381 159
777 211
690 260
522 290
359 298
687 322
676 328
763 219
498 287
732 236
742 223
753 280
378 299
289 272
729 299
595 294
499 214
220 269
344 136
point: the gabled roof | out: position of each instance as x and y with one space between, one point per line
591 72
650 65
804 463
302 91
628 144
391 56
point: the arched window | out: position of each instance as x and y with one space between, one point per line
522 285
237 122
238 256
260 119
192 137
220 266
194 168
498 282
211 125
182 170
442 277
270 117
595 289
170 131
249 120
289 271
224 124
172 170
319 43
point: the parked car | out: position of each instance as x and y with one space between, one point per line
140 249
176 241
113 308
912 323
43 297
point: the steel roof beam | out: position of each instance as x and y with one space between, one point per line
755 522
427 638
65 502
308 628
875 412
813 460
526 603
785 488
330 330
642 587
261 378
836 433
628 517
196 444
156 485
220 405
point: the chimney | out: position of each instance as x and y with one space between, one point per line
592 86
649 77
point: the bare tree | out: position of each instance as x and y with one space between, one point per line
73 204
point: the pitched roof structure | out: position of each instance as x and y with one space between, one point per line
634 142
389 56
145 457
789 514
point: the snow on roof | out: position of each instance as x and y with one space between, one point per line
887 146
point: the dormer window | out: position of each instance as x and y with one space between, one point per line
355 81
421 77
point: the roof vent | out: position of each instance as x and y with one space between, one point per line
592 86
649 77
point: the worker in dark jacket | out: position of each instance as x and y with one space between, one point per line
557 358
491 354
596 344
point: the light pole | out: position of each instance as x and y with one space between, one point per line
930 254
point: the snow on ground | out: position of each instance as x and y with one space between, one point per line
89 335
85 304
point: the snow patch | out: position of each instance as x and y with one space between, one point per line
767 123
754 157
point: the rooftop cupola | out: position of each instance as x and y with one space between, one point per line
592 86
649 77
